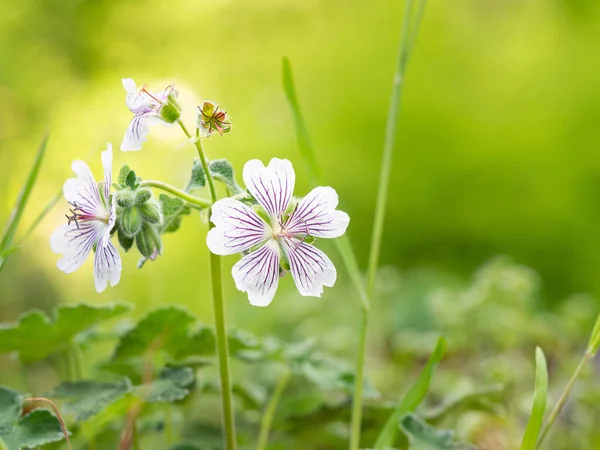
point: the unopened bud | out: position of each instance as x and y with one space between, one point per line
125 198
170 111
148 240
130 221
150 212
142 196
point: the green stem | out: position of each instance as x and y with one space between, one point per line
219 314
77 359
169 424
406 42
563 398
193 200
267 418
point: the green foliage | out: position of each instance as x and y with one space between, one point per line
87 398
33 429
36 336
222 170
540 395
17 212
173 209
422 436
173 384
594 342
198 177
413 397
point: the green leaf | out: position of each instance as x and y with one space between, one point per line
540 395
594 342
87 398
222 170
173 384
413 397
166 329
17 211
422 436
488 399
172 209
185 446
36 336
36 428
198 178
123 173
131 180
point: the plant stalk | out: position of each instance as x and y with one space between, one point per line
563 398
191 199
219 314
267 419
406 42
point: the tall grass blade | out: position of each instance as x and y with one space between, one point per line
17 212
413 397
540 395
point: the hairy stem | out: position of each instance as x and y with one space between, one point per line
219 314
406 42
267 418
563 398
191 199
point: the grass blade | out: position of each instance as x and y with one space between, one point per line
413 397
17 212
540 394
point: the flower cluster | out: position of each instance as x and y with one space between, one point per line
273 230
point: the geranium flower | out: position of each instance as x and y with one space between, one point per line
277 235
148 109
89 225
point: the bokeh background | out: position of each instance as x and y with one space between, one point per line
497 154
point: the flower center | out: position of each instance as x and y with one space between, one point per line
80 215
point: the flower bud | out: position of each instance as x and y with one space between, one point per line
211 119
125 198
150 212
130 221
148 241
142 196
170 111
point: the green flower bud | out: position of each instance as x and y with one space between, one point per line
142 196
126 242
125 198
148 241
130 221
150 212
170 111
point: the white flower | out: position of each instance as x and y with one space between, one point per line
146 108
280 240
91 221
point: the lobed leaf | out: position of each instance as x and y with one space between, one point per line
540 394
36 336
412 398
87 398
422 436
173 384
198 177
222 170
173 209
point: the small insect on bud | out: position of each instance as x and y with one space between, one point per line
211 119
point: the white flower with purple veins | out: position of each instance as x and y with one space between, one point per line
89 225
279 235
146 108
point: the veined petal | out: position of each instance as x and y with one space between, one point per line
83 190
107 264
316 215
237 228
310 267
107 158
137 131
258 274
75 244
271 186
137 102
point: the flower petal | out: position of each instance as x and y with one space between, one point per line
107 264
271 186
107 158
258 274
137 102
75 244
310 267
83 190
316 215
237 228
137 131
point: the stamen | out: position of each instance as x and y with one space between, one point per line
149 94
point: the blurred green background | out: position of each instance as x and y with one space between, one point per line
498 148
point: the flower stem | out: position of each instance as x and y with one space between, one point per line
407 39
267 418
193 200
219 314
563 398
